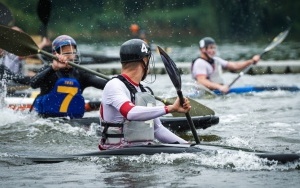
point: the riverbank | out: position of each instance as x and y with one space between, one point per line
263 67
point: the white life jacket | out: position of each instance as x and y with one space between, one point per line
130 131
216 75
136 131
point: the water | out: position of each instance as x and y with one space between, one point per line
230 51
261 121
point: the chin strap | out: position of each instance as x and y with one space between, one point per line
145 70
209 59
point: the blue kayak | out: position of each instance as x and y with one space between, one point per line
249 89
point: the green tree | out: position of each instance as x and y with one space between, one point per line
171 20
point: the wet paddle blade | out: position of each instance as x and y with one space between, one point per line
197 109
21 44
44 10
17 42
171 68
277 40
208 92
6 17
174 75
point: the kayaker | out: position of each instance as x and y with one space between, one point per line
12 62
207 68
138 33
61 85
128 114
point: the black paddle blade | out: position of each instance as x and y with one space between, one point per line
17 42
174 75
44 10
6 17
171 68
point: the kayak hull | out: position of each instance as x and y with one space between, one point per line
158 149
250 89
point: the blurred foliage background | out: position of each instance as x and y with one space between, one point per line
174 21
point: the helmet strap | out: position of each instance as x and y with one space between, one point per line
208 59
151 70
145 69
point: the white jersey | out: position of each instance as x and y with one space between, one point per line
116 107
213 73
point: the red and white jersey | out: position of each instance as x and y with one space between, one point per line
116 107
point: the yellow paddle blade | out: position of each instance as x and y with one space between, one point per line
197 109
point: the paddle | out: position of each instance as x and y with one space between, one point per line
22 44
6 17
277 40
14 88
175 77
207 92
97 58
44 10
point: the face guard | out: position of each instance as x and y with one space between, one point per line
150 69
65 40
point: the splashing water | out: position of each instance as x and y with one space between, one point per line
3 91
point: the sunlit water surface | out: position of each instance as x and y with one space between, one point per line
261 121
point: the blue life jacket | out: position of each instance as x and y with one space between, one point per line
65 99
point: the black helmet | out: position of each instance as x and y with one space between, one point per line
134 50
203 43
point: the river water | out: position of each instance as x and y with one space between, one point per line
261 121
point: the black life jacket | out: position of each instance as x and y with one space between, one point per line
211 62
130 87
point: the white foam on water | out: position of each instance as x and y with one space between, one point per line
274 94
32 125
280 128
236 142
9 116
233 118
43 126
242 161
279 124
221 159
